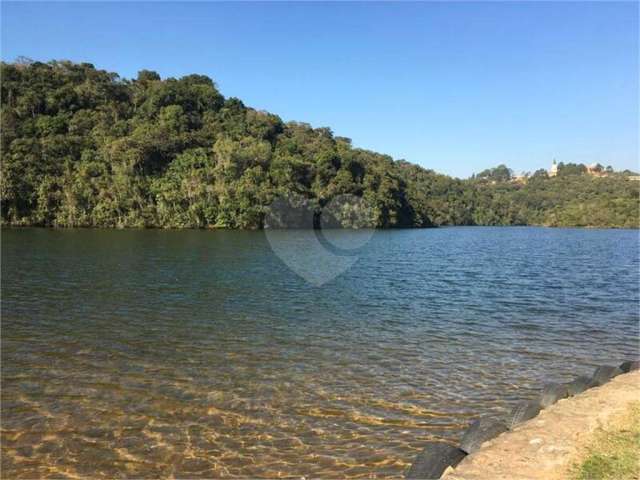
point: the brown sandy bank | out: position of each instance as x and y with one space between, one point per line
548 445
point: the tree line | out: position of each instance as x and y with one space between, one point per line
82 147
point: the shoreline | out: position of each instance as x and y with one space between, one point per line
547 446
228 229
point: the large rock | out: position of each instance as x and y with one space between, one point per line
481 431
523 412
579 385
551 393
630 366
434 460
603 374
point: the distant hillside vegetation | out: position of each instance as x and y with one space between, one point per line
83 148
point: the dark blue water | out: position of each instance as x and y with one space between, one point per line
204 354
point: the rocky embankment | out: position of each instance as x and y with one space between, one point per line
541 439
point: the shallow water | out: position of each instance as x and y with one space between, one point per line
200 354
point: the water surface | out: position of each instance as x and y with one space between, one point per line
200 354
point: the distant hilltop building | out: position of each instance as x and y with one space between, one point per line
596 170
522 178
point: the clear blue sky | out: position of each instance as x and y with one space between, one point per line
457 87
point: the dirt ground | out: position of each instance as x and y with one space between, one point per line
548 445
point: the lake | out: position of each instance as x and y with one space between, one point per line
205 354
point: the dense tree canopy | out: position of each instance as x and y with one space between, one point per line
82 147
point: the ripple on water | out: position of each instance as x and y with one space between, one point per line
197 354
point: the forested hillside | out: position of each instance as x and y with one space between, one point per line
82 147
